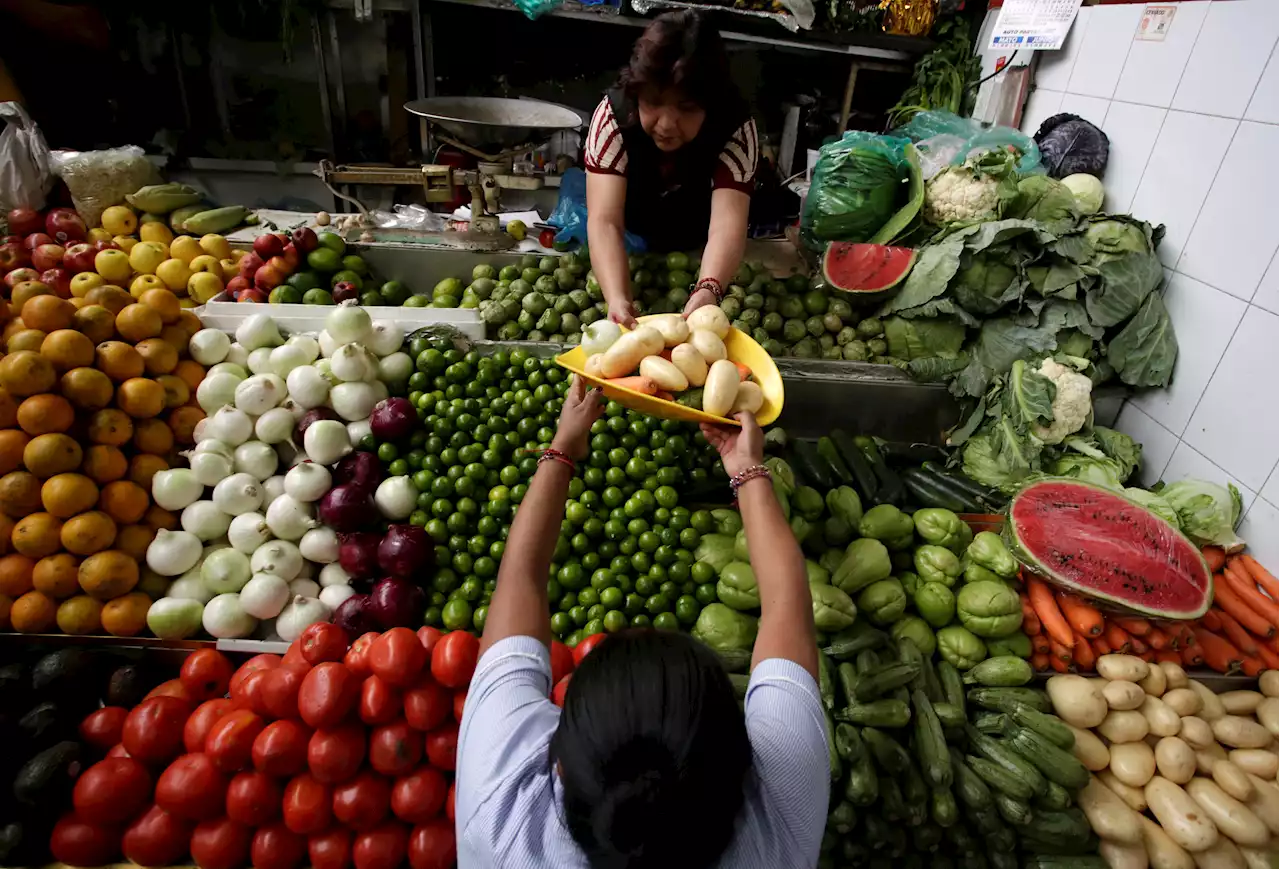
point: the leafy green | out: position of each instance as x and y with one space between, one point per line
860 183
1046 200
1156 503
1207 512
1144 351
914 339
1123 283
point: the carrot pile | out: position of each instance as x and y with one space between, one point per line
1239 633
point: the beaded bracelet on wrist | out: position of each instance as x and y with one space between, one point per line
554 455
713 285
737 480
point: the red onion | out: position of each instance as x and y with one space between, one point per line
397 603
393 419
314 415
406 551
347 508
355 615
358 553
360 469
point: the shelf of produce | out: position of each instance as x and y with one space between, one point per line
221 313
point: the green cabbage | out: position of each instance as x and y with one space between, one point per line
1207 512
1156 504
1087 191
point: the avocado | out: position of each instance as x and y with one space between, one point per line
10 843
126 686
60 670
46 723
48 777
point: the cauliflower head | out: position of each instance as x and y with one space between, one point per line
959 193
1072 403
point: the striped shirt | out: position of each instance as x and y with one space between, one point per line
605 152
508 799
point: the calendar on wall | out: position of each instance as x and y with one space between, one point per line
1036 25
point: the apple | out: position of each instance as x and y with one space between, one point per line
291 256
113 265
58 280
267 246
238 283
13 256
281 265
253 294
24 221
35 239
344 290
104 244
17 276
65 225
305 239
267 278
79 258
12 239
97 234
205 263
250 263
50 256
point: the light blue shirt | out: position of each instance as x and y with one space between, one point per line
508 801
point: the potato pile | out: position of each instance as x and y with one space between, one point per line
1182 777
95 397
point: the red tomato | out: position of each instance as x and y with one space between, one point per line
331 850
220 844
419 796
157 838
453 660
429 637
459 703
328 694
174 688
562 663
397 657
118 751
379 701
275 846
558 692
192 787
206 674
426 704
280 689
112 791
102 729
547 237
394 749
230 740
442 745
362 802
281 748
432 845
257 662
323 641
293 654
153 730
77 842
357 657
202 720
335 754
251 695
253 799
381 848
308 805
450 800
583 648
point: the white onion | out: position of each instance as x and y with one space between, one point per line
348 323
173 552
353 401
274 426
209 468
248 531
396 497
333 574
272 488
260 393
309 346
327 344
353 362
176 488
256 459
226 619
260 361
308 387
308 570
216 391
326 371
319 544
358 429
264 596
279 557
332 596
230 425
209 346
385 337
211 444
307 481
197 433
380 391
299 614
205 520
295 409
289 518
228 368
239 355
225 571
239 493
326 441
395 368
190 588
257 331
285 359
303 587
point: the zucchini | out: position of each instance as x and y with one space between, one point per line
861 786
1002 859
902 453
889 486
1004 671
927 838
943 808
923 488
842 819
891 799
884 679
969 786
848 744
1057 798
973 860
1015 812
826 682
989 498
854 639
992 723
931 746
929 475
1002 840
866 661
952 685
1055 764
734 660
988 821
811 466
1004 699
827 452
879 835
916 793
848 679
1048 726
963 840
864 479
877 713
833 756
1068 825
998 778
1003 755
951 717
889 754
926 680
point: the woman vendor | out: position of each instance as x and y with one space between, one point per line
670 156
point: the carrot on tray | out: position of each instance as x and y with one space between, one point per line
635 383
1039 662
1192 656
1058 665
1157 639
1269 657
1210 619
1099 646
1030 621
1224 594
1059 652
1214 556
1084 619
1138 646
1169 656
1260 575
1040 643
1252 666
1082 653
1246 590
1183 634
1118 639
1235 634
1218 653
1132 625
1047 611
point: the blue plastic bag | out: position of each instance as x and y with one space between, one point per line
570 215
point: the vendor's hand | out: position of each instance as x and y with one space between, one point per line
700 297
623 313
739 449
582 407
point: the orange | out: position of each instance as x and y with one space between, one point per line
33 613
108 574
133 540
183 421
88 533
126 616
68 494
37 535
191 372
140 397
6 534
110 426
163 303
88 388
158 356
158 517
143 467
80 615
124 501
176 337
49 454
27 339
176 391
137 321
67 349
15 574
6 611
45 413
48 313
103 464
119 360
152 584
190 323
110 297
13 444
153 437
55 575
27 373
9 409
95 322
19 494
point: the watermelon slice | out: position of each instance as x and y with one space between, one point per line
1101 544
866 271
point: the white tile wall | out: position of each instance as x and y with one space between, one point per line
1195 146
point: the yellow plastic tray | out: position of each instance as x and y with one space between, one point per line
740 346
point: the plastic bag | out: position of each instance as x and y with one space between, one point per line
100 179
24 161
1070 145
946 139
570 215
860 181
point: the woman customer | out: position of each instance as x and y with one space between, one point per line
651 763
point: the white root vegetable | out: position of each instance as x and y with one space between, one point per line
1240 702
1196 732
1161 720
1133 797
1232 779
1077 700
1183 701
595 365
1256 761
1208 758
1222 855
672 327
663 373
264 596
623 357
1162 851
1174 675
1123 726
1268 714
1232 817
1134 763
1180 816
1110 818
1269 683
1175 759
1154 683
1128 668
721 388
1259 858
750 398
711 319
1211 708
1090 750
1119 856
1123 695
1240 732
709 344
1265 803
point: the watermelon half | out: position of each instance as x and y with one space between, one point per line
865 271
1105 546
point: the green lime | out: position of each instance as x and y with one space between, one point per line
324 259
457 615
285 295
417 302
614 620
394 293
355 262
304 280
687 609
331 241
666 621
317 296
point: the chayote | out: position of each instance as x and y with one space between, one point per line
885 522
844 502
724 629
865 561
807 502
916 630
740 550
988 550
784 500
715 550
800 528
737 587
936 564
833 610
727 521
781 473
910 582
935 603
817 574
989 609
957 646
883 602
975 572
1017 644
940 527
831 560
836 531
901 544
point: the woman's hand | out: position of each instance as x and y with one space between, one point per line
739 449
698 299
623 312
582 407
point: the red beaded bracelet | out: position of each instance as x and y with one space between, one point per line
553 455
711 284
737 480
